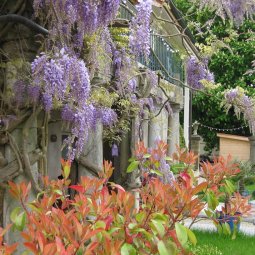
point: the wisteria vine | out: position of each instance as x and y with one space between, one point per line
242 105
61 75
197 72
236 10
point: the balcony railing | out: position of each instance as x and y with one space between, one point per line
162 56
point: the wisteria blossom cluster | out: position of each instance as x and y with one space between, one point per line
61 77
242 104
84 17
196 72
64 82
233 9
153 160
140 29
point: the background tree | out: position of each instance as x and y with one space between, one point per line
230 49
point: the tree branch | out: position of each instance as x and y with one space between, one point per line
25 21
12 169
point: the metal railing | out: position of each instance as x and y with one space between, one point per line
162 56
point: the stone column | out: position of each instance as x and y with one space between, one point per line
195 144
158 126
125 154
9 202
145 129
173 136
252 149
93 151
195 147
54 149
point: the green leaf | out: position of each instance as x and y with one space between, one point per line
157 164
58 191
160 217
132 225
67 170
146 156
131 159
140 216
34 208
79 252
181 233
157 172
25 253
159 227
162 248
230 186
14 214
212 200
208 213
226 229
112 230
100 224
168 159
191 236
20 221
132 166
128 249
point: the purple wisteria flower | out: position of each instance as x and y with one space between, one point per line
197 71
132 85
231 95
34 92
67 113
63 78
47 101
236 10
108 116
139 39
84 17
153 77
19 89
242 104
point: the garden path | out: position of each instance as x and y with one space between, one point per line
246 228
247 225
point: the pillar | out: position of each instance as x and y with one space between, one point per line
195 147
195 144
158 126
145 129
93 151
173 136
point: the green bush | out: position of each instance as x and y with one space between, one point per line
206 249
253 194
249 180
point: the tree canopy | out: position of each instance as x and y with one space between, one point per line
230 49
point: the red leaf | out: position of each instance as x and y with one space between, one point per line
92 246
50 249
31 247
199 188
108 221
78 188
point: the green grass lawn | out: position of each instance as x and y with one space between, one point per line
242 245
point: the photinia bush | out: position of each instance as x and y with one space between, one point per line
101 218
